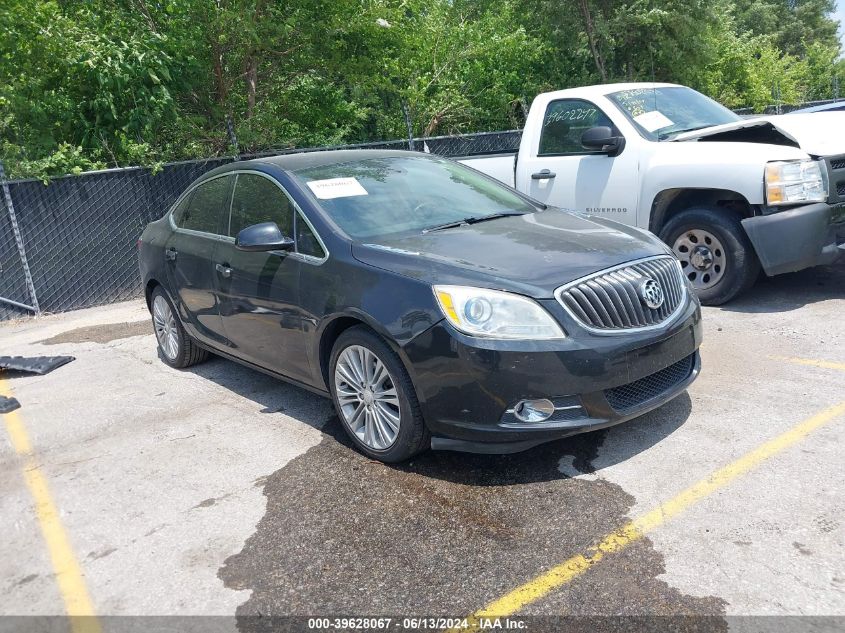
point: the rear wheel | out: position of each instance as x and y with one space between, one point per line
177 348
715 253
374 397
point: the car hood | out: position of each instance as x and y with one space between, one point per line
532 254
818 133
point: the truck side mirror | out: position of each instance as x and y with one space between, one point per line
602 139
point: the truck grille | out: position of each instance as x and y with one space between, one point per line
836 177
640 392
613 300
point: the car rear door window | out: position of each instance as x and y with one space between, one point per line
564 123
205 206
179 209
258 199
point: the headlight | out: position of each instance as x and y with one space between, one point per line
789 182
495 314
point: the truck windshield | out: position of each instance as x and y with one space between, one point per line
392 195
662 113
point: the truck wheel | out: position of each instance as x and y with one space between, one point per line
715 253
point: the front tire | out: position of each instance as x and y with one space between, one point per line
715 253
374 397
176 348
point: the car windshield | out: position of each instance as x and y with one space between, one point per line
661 113
392 195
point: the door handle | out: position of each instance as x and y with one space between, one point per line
543 175
170 254
225 271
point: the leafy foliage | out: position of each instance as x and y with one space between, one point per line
86 84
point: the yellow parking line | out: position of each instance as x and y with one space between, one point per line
67 570
824 364
567 571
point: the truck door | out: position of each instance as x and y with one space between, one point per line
558 170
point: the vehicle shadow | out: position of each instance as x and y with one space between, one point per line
274 396
792 290
587 453
452 531
554 460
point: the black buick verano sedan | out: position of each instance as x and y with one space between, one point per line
435 306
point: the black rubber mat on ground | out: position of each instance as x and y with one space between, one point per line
35 364
7 405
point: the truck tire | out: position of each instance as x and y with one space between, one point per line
715 253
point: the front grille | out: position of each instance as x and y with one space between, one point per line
836 177
610 300
636 394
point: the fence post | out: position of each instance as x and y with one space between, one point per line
408 124
7 196
230 129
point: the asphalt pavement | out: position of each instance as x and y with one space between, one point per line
220 491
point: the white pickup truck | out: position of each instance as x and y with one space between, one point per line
728 195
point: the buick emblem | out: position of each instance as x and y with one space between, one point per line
651 293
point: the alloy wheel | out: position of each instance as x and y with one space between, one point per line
702 257
366 393
164 323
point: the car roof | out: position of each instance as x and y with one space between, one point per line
308 159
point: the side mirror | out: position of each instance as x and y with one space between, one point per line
601 139
263 237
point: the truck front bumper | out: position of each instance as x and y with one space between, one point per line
798 238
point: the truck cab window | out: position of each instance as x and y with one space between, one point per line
564 123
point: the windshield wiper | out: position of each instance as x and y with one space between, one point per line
673 135
470 220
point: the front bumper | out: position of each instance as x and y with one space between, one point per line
810 235
468 387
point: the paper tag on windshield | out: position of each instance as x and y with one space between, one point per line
654 120
336 188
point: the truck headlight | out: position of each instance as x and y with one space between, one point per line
495 314
790 182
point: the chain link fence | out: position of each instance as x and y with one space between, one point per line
786 108
71 243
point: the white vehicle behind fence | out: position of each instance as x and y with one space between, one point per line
728 195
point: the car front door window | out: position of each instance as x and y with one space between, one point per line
259 294
257 199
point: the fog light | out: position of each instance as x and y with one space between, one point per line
534 410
